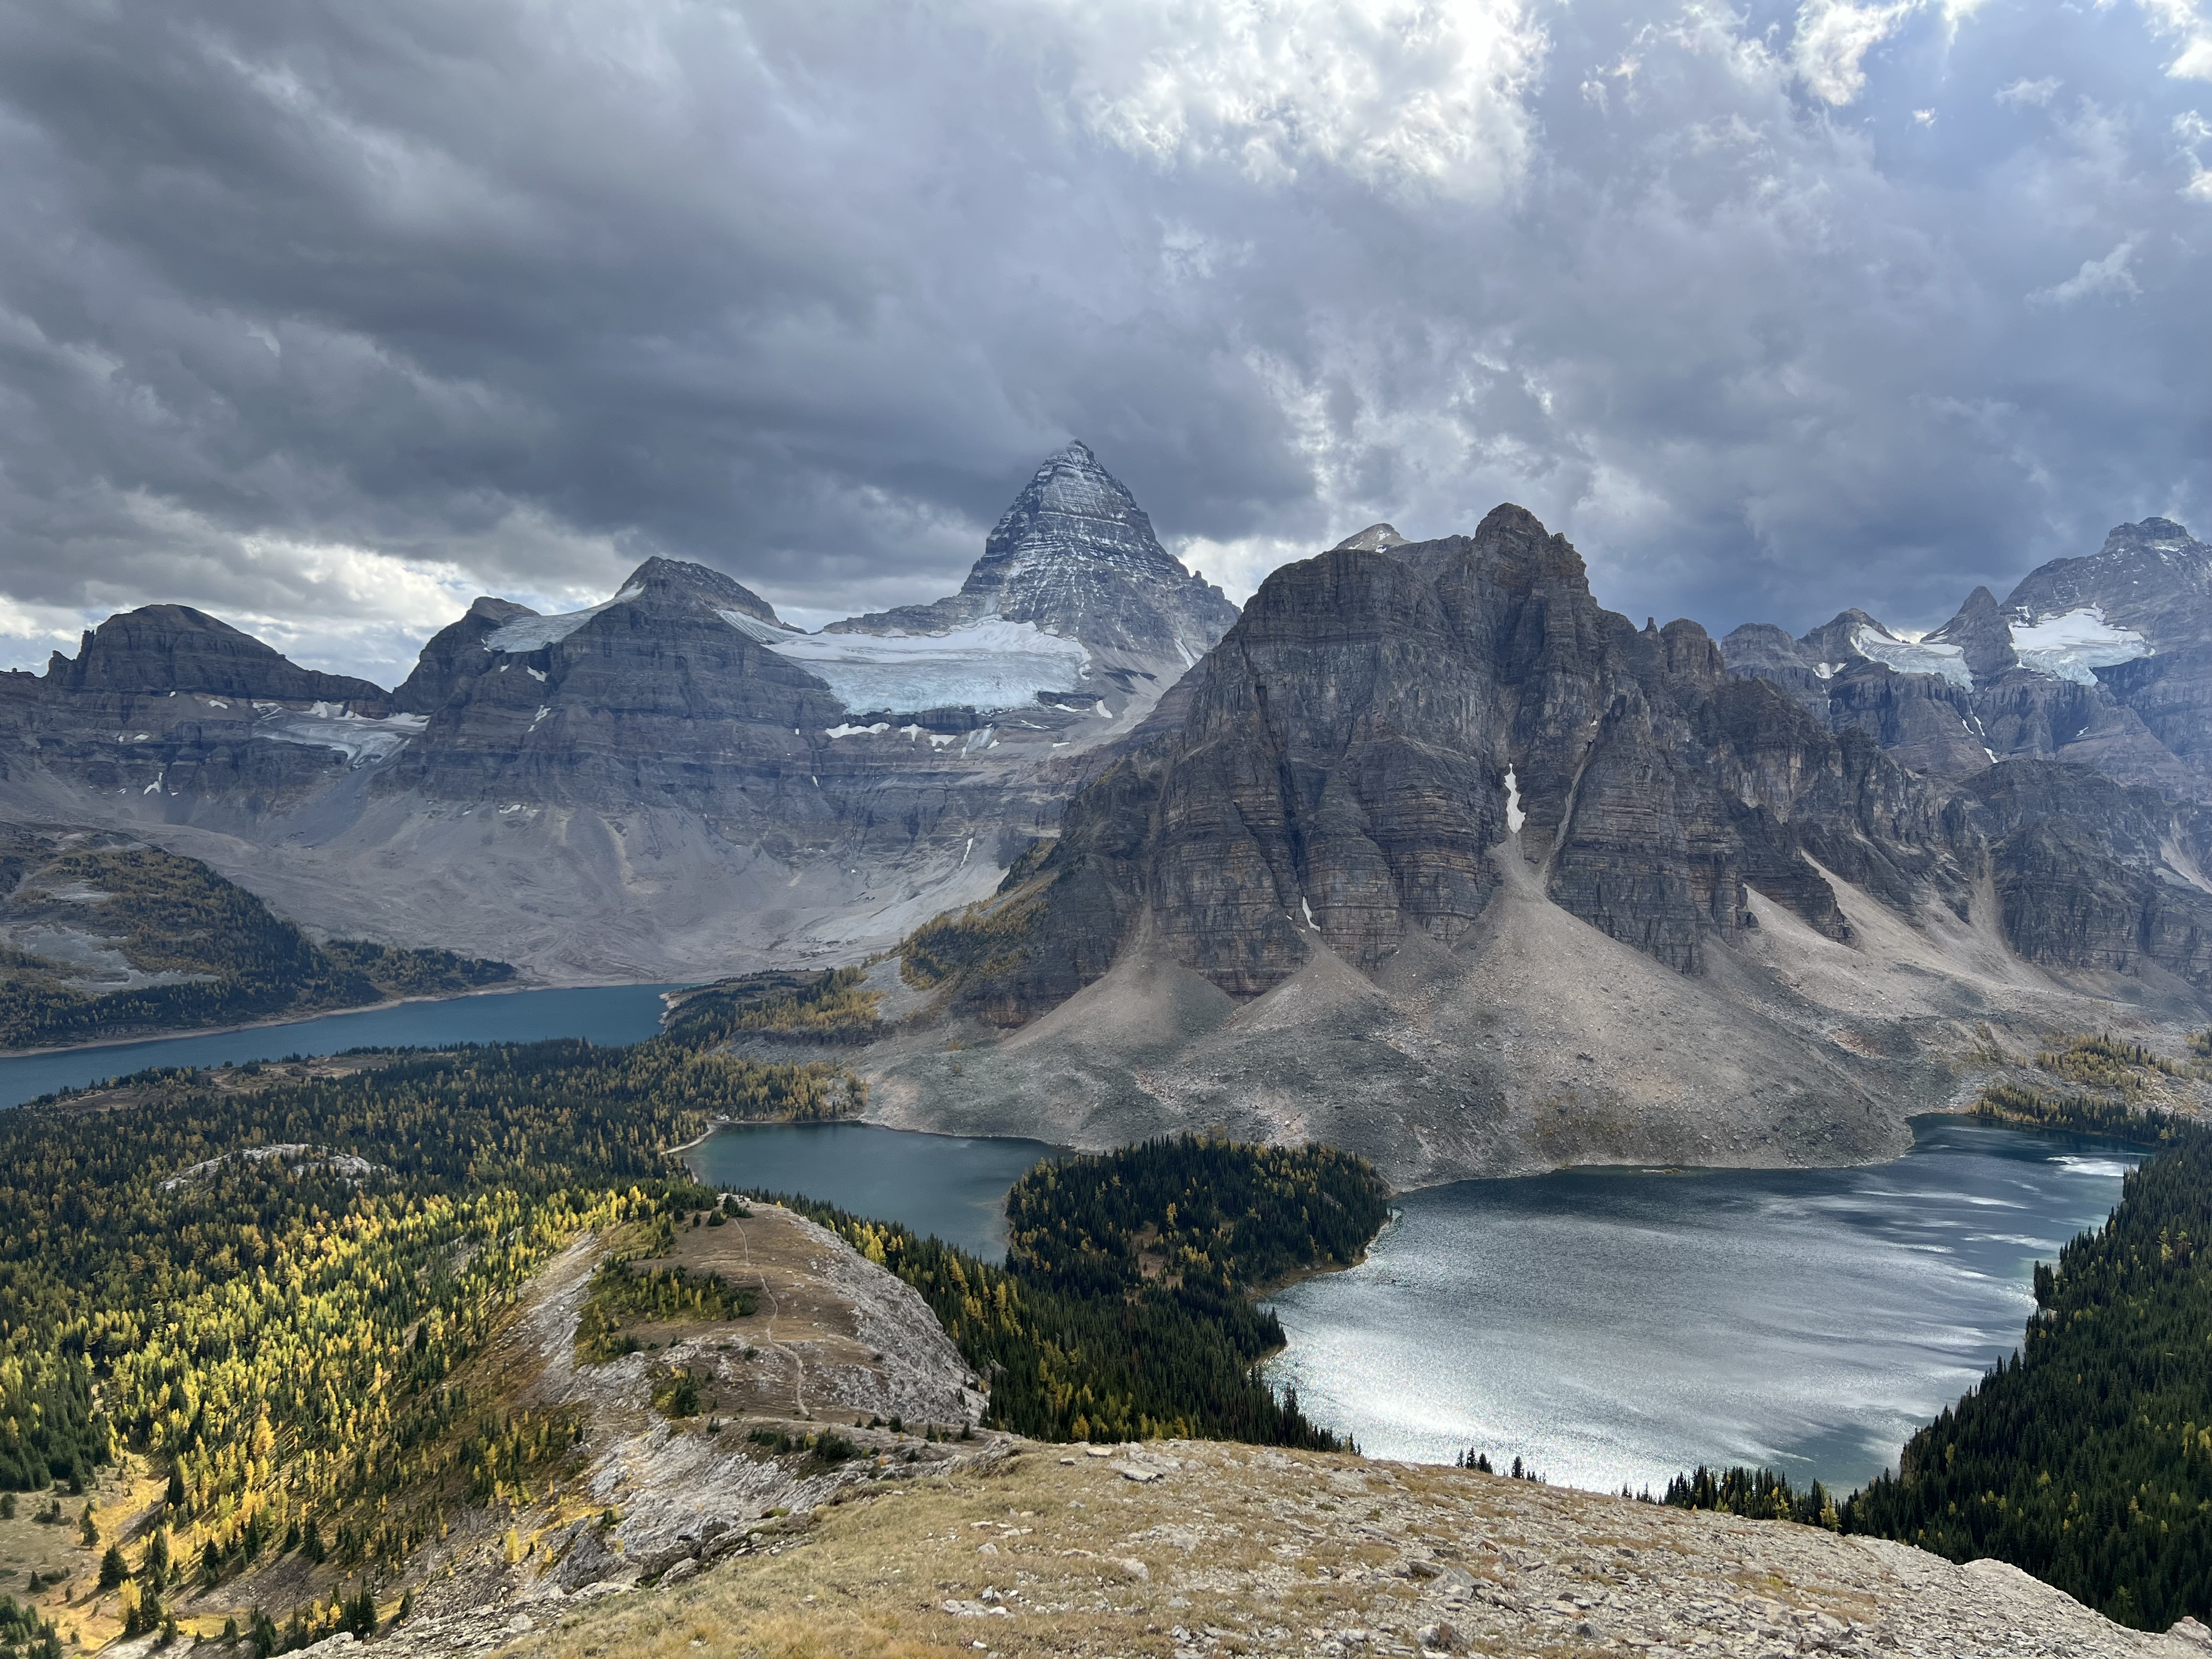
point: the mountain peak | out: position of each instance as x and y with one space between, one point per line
162 648
681 579
1076 556
1980 632
1073 508
1376 538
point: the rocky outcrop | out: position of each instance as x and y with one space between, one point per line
2093 874
456 656
1227 1549
1984 639
164 650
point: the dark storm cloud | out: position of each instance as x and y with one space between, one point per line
326 318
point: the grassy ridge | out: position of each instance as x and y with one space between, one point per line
280 1329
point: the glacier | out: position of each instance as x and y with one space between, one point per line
536 633
2068 646
1914 656
360 737
990 664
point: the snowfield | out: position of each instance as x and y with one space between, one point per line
1914 657
536 633
2068 646
993 664
327 726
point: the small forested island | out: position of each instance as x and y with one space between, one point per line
102 938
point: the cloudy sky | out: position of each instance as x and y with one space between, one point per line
327 317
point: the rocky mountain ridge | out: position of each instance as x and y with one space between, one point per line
2106 660
674 780
1447 865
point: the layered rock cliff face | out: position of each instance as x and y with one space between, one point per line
1444 863
2105 661
673 781
1380 723
2094 874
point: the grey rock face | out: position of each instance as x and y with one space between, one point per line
2154 577
1762 651
1980 632
162 648
1378 723
455 656
2092 874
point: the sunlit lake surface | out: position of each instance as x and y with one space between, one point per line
1615 1326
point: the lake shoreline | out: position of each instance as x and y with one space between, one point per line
185 1033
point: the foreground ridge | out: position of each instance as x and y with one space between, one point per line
1194 1548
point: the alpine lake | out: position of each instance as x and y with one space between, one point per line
1608 1326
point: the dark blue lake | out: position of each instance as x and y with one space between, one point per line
948 1185
603 1014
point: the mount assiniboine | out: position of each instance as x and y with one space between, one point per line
673 783
1424 853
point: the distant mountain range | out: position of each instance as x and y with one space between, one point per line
2105 660
1425 855
672 782
1447 865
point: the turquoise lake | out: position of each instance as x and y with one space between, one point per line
602 1013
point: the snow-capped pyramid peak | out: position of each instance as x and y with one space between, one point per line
1076 556
1072 511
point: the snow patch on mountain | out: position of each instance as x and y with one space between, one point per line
759 632
360 737
1914 656
2068 646
992 664
536 633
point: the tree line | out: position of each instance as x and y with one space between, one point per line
206 1275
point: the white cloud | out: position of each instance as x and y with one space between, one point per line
1834 37
2024 92
2108 277
2184 21
1396 93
